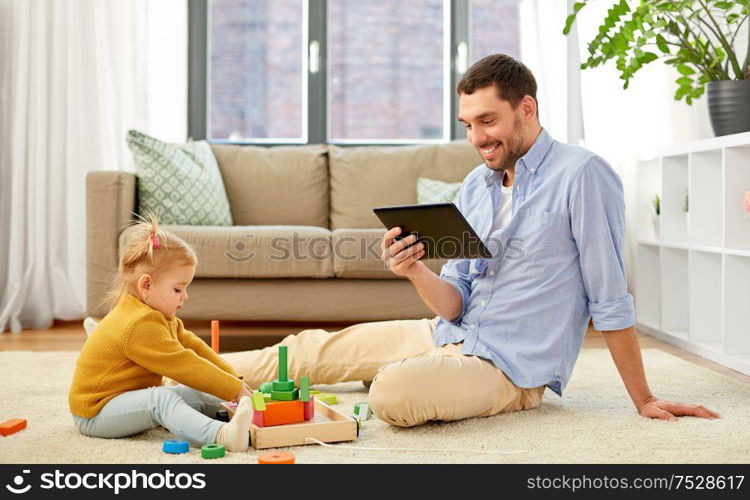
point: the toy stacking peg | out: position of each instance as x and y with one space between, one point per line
215 336
283 384
282 363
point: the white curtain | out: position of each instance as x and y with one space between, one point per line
553 58
75 75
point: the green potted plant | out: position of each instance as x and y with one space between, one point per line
696 37
686 202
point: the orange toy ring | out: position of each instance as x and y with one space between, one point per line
276 458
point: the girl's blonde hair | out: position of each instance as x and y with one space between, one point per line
147 250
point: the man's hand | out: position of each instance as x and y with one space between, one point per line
440 296
626 353
399 259
667 410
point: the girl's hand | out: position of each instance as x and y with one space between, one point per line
244 391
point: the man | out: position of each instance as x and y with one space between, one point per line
513 325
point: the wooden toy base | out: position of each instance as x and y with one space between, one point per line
327 425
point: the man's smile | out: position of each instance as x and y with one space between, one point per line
489 152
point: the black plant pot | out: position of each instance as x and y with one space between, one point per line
729 106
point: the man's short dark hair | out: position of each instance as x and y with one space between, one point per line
511 78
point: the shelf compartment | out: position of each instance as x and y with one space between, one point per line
674 291
705 272
705 201
647 278
736 305
674 187
648 186
736 183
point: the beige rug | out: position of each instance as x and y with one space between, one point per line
594 422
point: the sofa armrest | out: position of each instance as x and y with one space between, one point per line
110 201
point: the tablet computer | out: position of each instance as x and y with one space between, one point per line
442 228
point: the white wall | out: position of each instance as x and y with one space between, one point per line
621 124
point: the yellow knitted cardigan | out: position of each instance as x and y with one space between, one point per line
133 347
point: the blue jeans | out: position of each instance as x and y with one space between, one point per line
180 409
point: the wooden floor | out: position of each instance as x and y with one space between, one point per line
239 336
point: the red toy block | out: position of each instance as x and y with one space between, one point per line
309 408
258 418
12 426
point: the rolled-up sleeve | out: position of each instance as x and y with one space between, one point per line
456 272
597 216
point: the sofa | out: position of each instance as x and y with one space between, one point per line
305 244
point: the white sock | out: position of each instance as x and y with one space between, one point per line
235 435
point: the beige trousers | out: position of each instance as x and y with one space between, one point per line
413 382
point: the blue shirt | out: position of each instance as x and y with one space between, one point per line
558 263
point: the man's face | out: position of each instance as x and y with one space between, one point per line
493 127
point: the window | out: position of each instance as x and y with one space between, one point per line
386 77
337 71
493 28
257 83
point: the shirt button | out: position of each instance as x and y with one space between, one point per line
473 326
492 273
483 303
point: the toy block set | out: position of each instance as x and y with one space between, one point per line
285 414
286 403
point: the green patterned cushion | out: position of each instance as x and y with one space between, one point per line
432 191
180 182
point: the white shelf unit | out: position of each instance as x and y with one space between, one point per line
692 269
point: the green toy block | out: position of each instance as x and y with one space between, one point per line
212 451
267 397
314 391
304 389
282 363
363 405
282 385
266 387
285 395
259 403
359 424
327 398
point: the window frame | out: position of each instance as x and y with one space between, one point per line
315 100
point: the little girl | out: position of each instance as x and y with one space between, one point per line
117 386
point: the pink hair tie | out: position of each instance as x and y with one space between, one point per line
154 242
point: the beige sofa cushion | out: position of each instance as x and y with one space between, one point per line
356 254
366 177
284 185
257 251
